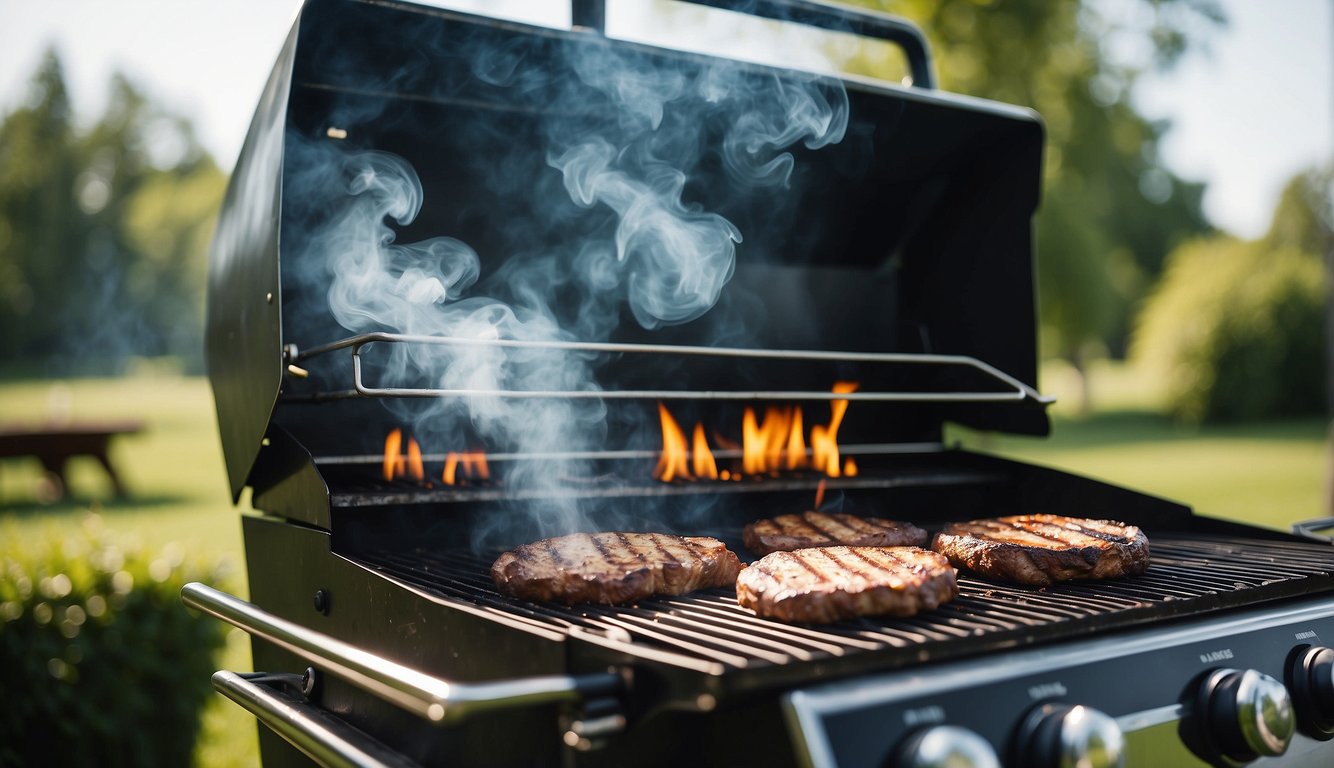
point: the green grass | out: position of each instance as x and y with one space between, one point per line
1270 474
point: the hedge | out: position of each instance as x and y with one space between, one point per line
1237 330
100 664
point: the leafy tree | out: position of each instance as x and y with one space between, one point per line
1111 212
1236 328
39 223
1304 218
103 233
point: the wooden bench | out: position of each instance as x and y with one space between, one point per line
55 444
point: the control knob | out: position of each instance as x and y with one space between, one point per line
1311 679
1058 735
946 746
1244 715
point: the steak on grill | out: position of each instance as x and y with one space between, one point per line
613 568
826 584
819 529
1042 549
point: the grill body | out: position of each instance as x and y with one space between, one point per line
906 247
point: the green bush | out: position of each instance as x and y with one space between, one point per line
1237 330
100 664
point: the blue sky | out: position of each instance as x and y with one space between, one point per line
1255 110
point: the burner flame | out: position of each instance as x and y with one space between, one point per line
393 456
701 457
672 462
824 439
397 465
473 465
776 444
407 462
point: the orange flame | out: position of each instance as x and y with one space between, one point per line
796 443
414 463
824 439
476 466
393 458
776 444
672 463
460 466
701 457
819 495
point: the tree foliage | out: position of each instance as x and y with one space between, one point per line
1111 211
103 231
1235 328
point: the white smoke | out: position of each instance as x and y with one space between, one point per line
665 258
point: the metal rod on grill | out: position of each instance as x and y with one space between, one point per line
1015 390
327 740
439 701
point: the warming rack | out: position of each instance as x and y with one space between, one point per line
1011 389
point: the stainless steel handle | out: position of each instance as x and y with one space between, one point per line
320 736
437 700
1311 528
592 15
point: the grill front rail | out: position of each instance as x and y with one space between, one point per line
439 701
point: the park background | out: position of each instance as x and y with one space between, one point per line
1183 244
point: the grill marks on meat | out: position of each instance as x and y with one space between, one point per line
824 585
1042 549
819 529
613 568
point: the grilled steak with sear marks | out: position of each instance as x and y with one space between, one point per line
826 584
613 568
819 529
1042 549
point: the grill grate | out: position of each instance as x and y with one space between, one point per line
1188 575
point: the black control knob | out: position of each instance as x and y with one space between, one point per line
1243 715
1311 681
1069 736
946 746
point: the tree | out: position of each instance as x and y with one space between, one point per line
39 221
1111 212
103 233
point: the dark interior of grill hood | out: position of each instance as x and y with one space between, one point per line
913 234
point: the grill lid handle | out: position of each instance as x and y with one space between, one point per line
440 701
592 15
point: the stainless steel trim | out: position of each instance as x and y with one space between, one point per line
803 709
437 700
1138 721
1017 391
326 740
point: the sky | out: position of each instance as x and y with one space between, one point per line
1253 111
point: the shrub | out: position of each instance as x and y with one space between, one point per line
1237 330
100 664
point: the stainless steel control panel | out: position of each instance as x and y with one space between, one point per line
1254 687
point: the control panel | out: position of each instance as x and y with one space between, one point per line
1249 687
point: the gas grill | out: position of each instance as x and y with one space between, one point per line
468 276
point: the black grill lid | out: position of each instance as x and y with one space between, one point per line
913 234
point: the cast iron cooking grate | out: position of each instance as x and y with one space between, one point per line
1188 575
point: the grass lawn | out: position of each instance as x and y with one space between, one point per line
1271 474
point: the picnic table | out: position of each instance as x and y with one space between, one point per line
54 444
